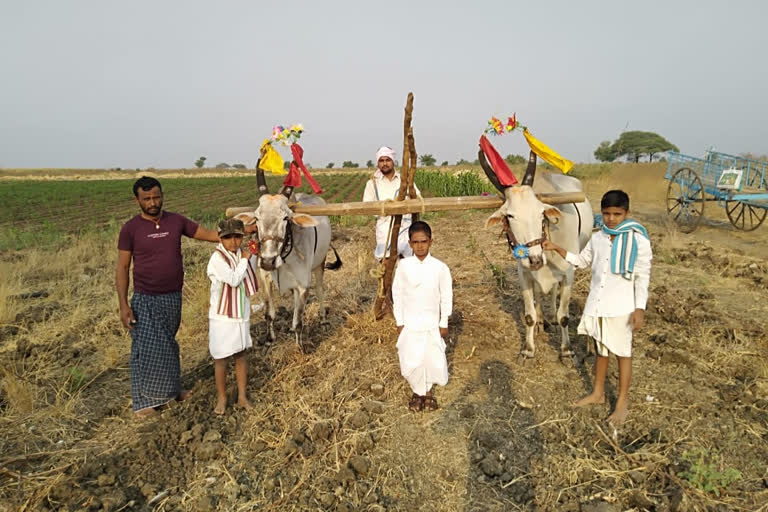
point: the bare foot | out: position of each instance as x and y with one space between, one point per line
145 413
183 395
590 399
221 405
619 415
243 403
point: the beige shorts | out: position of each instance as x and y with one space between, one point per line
612 335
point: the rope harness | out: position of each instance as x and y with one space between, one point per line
286 240
378 272
520 251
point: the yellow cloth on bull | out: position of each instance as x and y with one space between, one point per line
546 153
271 160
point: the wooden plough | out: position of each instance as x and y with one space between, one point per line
402 206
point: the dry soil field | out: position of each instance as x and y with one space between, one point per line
330 430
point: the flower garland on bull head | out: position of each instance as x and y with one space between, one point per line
270 160
499 172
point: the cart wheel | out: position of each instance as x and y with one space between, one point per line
685 199
744 216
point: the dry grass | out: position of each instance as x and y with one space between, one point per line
320 437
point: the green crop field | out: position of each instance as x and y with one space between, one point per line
53 212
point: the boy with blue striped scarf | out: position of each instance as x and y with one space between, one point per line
620 257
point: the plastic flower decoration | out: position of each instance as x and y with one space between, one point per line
495 127
520 252
511 123
287 136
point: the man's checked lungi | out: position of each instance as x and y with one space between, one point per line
155 365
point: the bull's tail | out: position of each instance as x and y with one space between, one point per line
336 265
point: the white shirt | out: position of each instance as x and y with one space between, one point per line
422 293
380 188
610 294
220 272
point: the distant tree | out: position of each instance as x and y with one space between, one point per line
239 166
223 165
349 164
427 160
330 165
462 162
476 162
200 162
369 163
286 165
515 159
633 146
605 152
445 162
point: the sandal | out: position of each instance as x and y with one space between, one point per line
430 403
416 403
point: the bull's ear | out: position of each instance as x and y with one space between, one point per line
303 220
494 219
247 218
553 215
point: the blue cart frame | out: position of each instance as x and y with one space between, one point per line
736 183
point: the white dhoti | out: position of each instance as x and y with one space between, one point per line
422 359
228 337
612 335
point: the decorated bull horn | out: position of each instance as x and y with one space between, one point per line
530 171
286 190
261 180
489 172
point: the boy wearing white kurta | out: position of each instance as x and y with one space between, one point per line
233 280
620 257
422 295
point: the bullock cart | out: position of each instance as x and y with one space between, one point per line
738 184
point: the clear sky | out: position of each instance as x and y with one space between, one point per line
103 83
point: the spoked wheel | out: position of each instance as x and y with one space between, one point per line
743 216
685 199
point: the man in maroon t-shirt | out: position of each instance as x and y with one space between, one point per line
152 240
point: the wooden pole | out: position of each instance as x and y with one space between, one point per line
383 303
412 173
429 204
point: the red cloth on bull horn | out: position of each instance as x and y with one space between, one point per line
499 166
294 177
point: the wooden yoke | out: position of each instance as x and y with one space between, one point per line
383 303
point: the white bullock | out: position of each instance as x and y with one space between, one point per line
292 248
527 223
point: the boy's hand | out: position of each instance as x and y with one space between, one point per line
637 319
549 245
443 332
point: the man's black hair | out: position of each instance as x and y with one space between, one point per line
422 226
146 183
615 198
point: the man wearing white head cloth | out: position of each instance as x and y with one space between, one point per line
385 184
